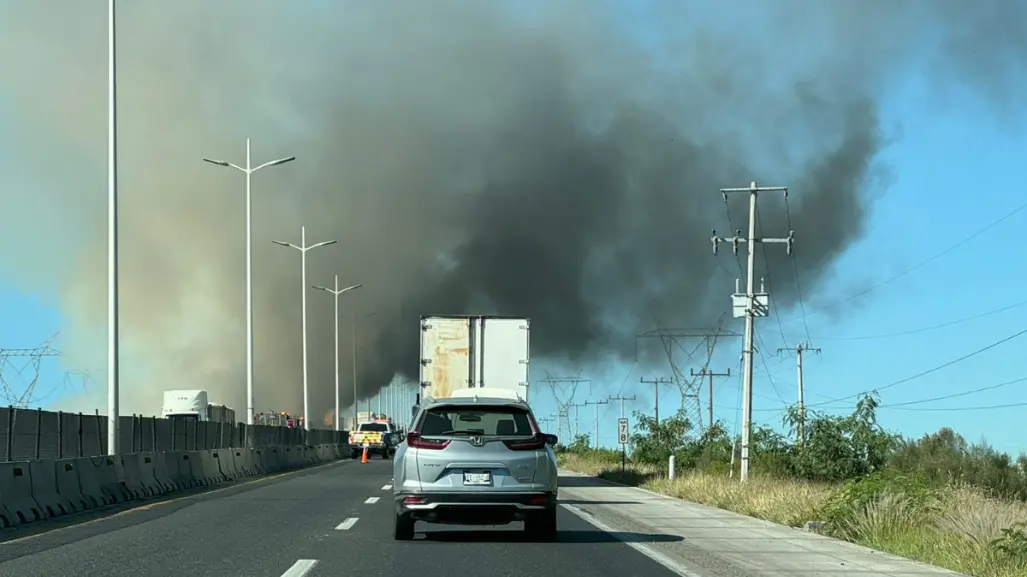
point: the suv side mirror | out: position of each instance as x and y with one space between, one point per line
552 440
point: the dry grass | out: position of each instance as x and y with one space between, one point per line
954 530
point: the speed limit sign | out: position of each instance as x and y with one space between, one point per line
622 431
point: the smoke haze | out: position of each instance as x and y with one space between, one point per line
549 161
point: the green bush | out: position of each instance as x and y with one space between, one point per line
857 494
828 448
1013 542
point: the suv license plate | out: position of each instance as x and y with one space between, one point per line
477 479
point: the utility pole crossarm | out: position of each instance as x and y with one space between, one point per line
753 189
656 392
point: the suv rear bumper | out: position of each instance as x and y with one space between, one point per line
475 508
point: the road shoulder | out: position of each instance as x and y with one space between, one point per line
719 542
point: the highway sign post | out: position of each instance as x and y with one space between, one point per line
622 438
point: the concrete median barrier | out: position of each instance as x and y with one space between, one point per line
102 478
244 463
133 475
16 491
226 463
210 468
32 491
196 469
43 480
161 475
70 486
257 460
274 459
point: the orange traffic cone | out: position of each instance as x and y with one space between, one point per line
363 457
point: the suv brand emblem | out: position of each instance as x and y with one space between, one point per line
477 441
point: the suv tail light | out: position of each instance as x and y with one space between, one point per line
415 441
535 443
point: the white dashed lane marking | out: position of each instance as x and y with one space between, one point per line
300 568
347 524
386 487
371 500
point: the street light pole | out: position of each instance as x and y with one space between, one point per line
353 334
113 364
335 293
303 248
249 170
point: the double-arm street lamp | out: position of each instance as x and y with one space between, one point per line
303 248
249 170
335 293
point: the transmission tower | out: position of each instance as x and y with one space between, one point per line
689 385
23 367
564 389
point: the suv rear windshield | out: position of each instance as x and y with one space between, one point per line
378 427
476 420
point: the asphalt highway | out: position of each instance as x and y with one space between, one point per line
321 522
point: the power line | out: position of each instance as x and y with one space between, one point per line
984 408
935 257
924 373
955 395
798 281
928 328
766 270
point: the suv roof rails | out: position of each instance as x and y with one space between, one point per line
486 392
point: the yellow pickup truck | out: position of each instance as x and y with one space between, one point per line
379 439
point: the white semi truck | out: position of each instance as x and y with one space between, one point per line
474 351
193 405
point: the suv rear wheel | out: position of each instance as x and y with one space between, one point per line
404 527
542 527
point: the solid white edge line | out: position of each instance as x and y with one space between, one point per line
650 553
347 524
300 568
371 500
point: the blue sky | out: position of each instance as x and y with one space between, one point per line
956 172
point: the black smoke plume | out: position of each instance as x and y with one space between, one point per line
559 160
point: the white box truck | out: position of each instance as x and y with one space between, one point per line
474 351
193 405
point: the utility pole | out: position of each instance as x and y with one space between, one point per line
623 447
656 391
704 372
749 305
577 415
799 349
597 403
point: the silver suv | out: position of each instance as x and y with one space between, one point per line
476 458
